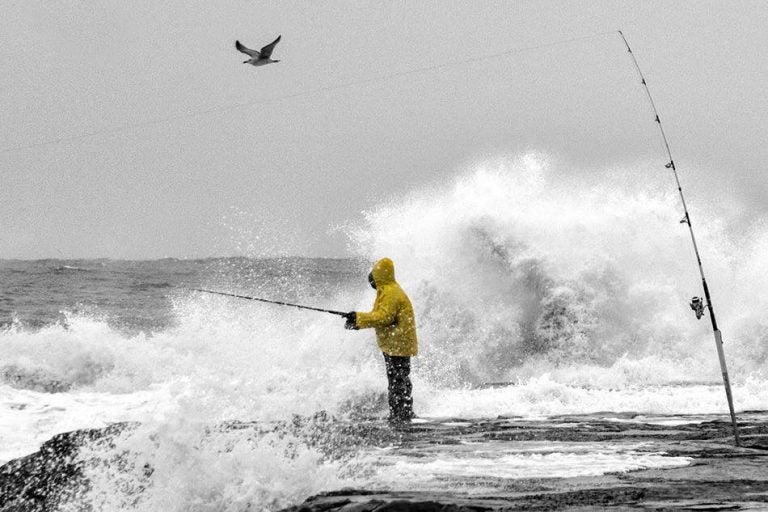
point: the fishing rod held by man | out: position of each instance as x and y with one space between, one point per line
279 303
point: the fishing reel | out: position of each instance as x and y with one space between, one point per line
697 305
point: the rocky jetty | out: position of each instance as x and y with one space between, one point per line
720 476
49 477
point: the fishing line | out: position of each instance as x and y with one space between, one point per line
696 303
365 81
278 302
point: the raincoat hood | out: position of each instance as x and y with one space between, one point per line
383 272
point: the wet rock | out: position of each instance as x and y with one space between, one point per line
720 477
41 481
367 501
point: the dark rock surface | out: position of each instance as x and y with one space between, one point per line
720 477
43 480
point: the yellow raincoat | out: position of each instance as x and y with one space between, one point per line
392 315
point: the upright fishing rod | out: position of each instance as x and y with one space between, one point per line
279 303
696 303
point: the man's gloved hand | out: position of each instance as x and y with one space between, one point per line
351 319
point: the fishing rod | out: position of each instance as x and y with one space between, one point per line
279 303
697 304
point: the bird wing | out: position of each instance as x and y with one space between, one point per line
247 51
266 52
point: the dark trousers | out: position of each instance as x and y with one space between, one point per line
400 401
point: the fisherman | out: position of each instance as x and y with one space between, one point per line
393 319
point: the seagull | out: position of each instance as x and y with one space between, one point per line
258 58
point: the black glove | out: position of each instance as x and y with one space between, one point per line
351 319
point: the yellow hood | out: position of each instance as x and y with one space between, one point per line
383 272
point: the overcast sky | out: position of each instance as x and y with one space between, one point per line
197 154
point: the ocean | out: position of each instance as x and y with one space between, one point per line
535 302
